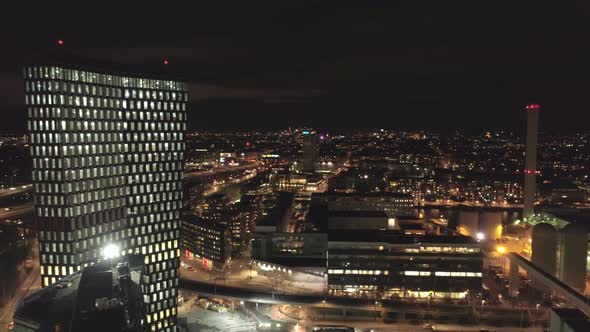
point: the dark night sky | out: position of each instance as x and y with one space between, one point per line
394 64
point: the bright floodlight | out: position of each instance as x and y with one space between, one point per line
501 249
111 250
480 236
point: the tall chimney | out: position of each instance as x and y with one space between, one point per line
530 170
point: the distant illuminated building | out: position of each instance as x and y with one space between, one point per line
107 154
310 151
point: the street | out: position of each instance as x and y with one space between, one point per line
28 283
240 275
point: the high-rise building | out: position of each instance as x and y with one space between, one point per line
107 154
530 170
310 151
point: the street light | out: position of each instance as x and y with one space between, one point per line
480 236
376 303
110 251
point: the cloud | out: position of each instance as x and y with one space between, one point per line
200 92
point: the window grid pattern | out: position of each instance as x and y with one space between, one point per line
107 168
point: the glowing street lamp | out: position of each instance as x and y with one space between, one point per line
110 251
501 249
480 236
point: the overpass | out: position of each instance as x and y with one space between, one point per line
555 285
16 211
15 190
195 176
350 307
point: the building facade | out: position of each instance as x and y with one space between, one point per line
107 154
388 202
210 242
389 264
310 151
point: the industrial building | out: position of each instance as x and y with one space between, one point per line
357 220
560 248
294 250
390 203
530 171
391 264
480 223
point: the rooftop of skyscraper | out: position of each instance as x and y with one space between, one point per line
105 296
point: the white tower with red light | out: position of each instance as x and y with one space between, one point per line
530 170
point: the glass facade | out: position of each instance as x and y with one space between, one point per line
107 156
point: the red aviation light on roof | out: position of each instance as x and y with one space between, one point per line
165 61
60 42
532 107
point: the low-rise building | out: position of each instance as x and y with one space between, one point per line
391 264
388 202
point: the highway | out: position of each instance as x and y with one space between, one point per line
28 283
16 211
217 171
15 190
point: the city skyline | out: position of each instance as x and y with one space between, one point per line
292 167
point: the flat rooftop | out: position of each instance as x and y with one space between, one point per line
395 237
357 214
369 194
71 303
